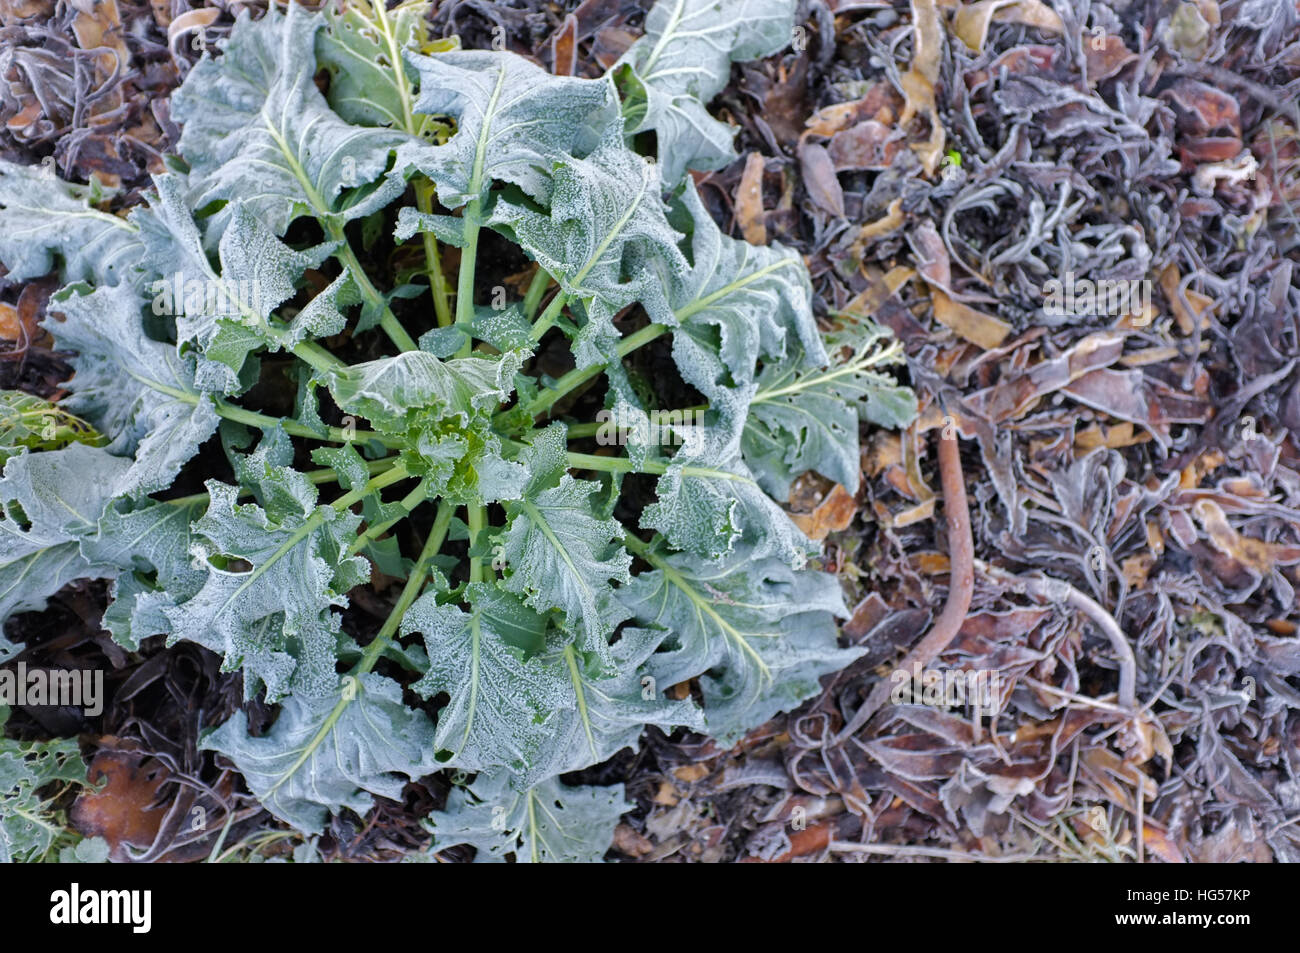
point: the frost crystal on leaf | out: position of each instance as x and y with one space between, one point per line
538 586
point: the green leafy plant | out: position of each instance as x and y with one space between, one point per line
34 775
546 598
28 421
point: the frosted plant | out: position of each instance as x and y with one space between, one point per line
540 622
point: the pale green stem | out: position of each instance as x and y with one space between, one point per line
853 366
536 289
388 321
642 549
549 315
266 422
414 583
576 431
315 477
477 518
579 376
408 504
433 259
465 277
313 354
381 641
423 190
394 474
590 461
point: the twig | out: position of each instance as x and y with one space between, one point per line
961 586
938 853
1139 777
1286 823
1071 696
1038 586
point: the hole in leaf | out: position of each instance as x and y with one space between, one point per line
14 511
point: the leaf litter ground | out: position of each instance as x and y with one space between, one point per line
1132 479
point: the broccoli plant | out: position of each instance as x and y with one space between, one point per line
315 294
34 775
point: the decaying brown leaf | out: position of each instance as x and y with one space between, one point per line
919 81
975 326
970 23
819 178
749 201
124 812
833 514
